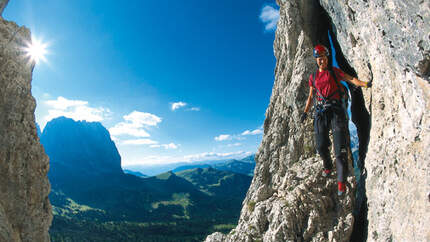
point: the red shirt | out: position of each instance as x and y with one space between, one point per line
326 84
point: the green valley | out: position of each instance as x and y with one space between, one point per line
94 200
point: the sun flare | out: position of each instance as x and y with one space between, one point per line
36 50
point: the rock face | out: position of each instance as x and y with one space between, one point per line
82 157
3 4
81 147
387 42
305 207
25 211
390 40
288 199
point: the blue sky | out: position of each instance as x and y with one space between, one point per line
171 80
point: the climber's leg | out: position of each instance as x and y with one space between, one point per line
322 142
340 135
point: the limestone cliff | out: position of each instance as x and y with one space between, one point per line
25 211
387 42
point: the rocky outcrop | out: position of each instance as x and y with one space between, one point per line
383 41
389 41
3 4
80 147
305 207
288 199
25 211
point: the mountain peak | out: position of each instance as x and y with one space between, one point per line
81 146
166 175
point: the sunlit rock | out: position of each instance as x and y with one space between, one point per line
25 211
386 42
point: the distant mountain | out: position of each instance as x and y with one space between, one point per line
245 166
155 169
152 170
166 207
93 198
136 173
189 167
249 159
237 166
80 147
218 183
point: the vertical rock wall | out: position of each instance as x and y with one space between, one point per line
25 211
288 199
390 41
3 4
387 41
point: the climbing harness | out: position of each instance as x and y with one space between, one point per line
326 102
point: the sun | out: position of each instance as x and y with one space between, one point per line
36 50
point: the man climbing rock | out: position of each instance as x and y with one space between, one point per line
330 113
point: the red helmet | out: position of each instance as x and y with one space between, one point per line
321 50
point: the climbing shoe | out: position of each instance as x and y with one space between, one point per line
340 188
326 172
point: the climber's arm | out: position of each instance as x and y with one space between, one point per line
309 101
355 81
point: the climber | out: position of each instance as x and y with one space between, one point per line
330 113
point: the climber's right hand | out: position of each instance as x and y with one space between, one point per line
303 117
368 84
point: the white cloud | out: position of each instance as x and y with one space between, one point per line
139 142
149 160
134 124
194 109
234 145
75 109
223 137
178 105
151 143
165 146
171 146
254 132
141 118
63 103
269 16
46 95
128 129
159 159
215 156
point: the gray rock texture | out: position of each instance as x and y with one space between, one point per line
305 207
288 199
393 39
387 42
25 211
3 4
